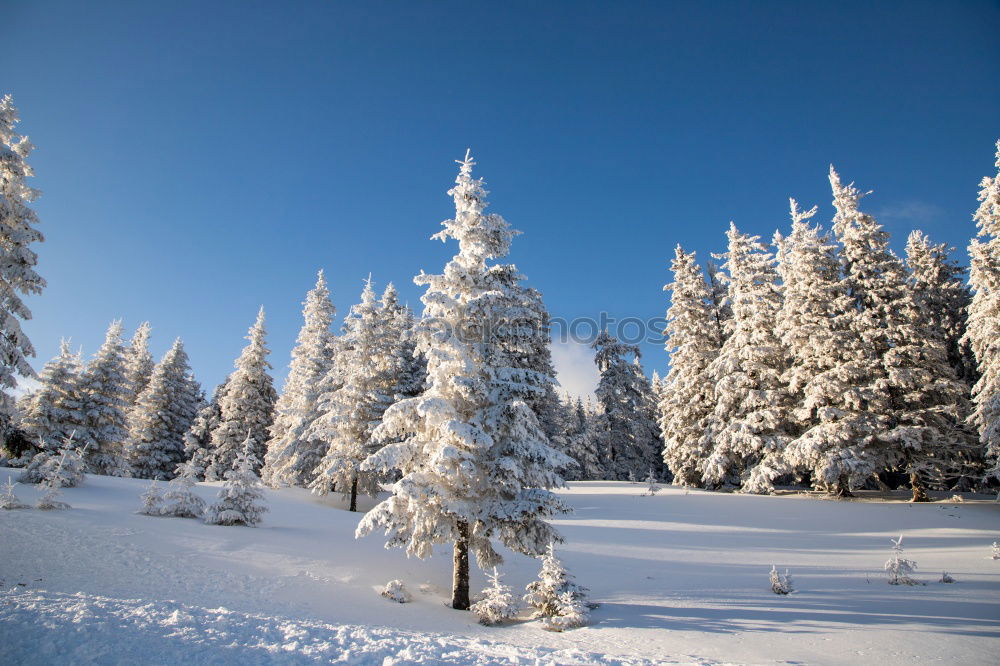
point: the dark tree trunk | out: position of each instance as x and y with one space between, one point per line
919 494
843 488
354 494
460 579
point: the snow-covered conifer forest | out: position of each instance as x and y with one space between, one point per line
818 395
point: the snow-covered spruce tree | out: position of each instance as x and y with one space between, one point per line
631 437
17 259
292 457
498 603
247 406
52 410
348 416
102 425
912 395
555 594
850 402
152 499
823 379
179 501
983 332
198 439
687 397
581 444
62 469
65 456
162 416
718 289
940 280
474 460
241 500
138 363
527 330
410 365
928 439
750 425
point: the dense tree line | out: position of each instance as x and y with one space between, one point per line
828 360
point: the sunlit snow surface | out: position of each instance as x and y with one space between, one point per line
681 578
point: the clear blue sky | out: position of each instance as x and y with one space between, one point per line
199 159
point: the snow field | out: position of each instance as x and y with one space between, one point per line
682 577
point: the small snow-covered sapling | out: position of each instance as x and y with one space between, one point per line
898 567
547 595
996 551
396 591
179 501
573 612
151 500
241 500
8 500
781 583
946 577
498 603
652 487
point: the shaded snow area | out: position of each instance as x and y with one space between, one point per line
680 578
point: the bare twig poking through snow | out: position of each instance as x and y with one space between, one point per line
8 500
898 567
946 578
556 595
498 603
650 479
781 583
396 591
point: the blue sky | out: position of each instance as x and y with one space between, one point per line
200 159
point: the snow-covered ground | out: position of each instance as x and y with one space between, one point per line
681 577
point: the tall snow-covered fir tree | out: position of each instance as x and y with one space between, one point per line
162 416
102 424
410 365
17 259
631 436
687 400
941 282
821 379
474 459
983 331
370 376
875 281
52 410
138 363
749 427
931 402
198 439
246 407
292 456
582 444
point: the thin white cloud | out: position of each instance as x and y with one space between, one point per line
914 211
575 368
